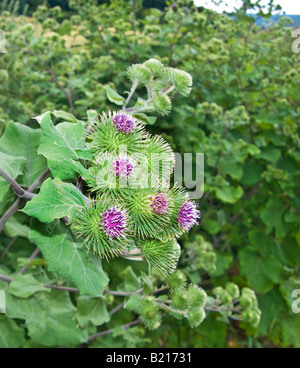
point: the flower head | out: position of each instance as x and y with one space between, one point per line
188 215
114 222
122 167
124 123
160 204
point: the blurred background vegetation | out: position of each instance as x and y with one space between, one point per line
243 114
64 5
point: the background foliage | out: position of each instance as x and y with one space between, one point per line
243 113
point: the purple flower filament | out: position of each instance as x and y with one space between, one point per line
122 167
188 215
123 123
114 222
160 204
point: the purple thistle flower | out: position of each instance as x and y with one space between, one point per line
188 215
124 123
114 222
160 204
122 167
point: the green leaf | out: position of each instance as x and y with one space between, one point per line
91 309
14 228
131 337
21 142
211 334
260 272
2 301
66 116
270 154
59 144
39 118
290 331
113 96
24 286
11 335
91 114
85 154
146 119
49 318
271 215
297 236
286 289
133 303
230 166
223 263
271 305
130 281
56 199
211 226
252 173
229 194
64 256
266 245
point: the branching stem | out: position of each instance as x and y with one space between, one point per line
20 192
107 332
70 289
18 203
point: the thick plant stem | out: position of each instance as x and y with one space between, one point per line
38 181
18 203
6 278
10 212
20 192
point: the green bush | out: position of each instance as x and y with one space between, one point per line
242 113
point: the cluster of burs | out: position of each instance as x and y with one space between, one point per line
132 209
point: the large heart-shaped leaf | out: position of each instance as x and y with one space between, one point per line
64 256
55 200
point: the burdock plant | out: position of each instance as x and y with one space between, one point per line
131 209
109 196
